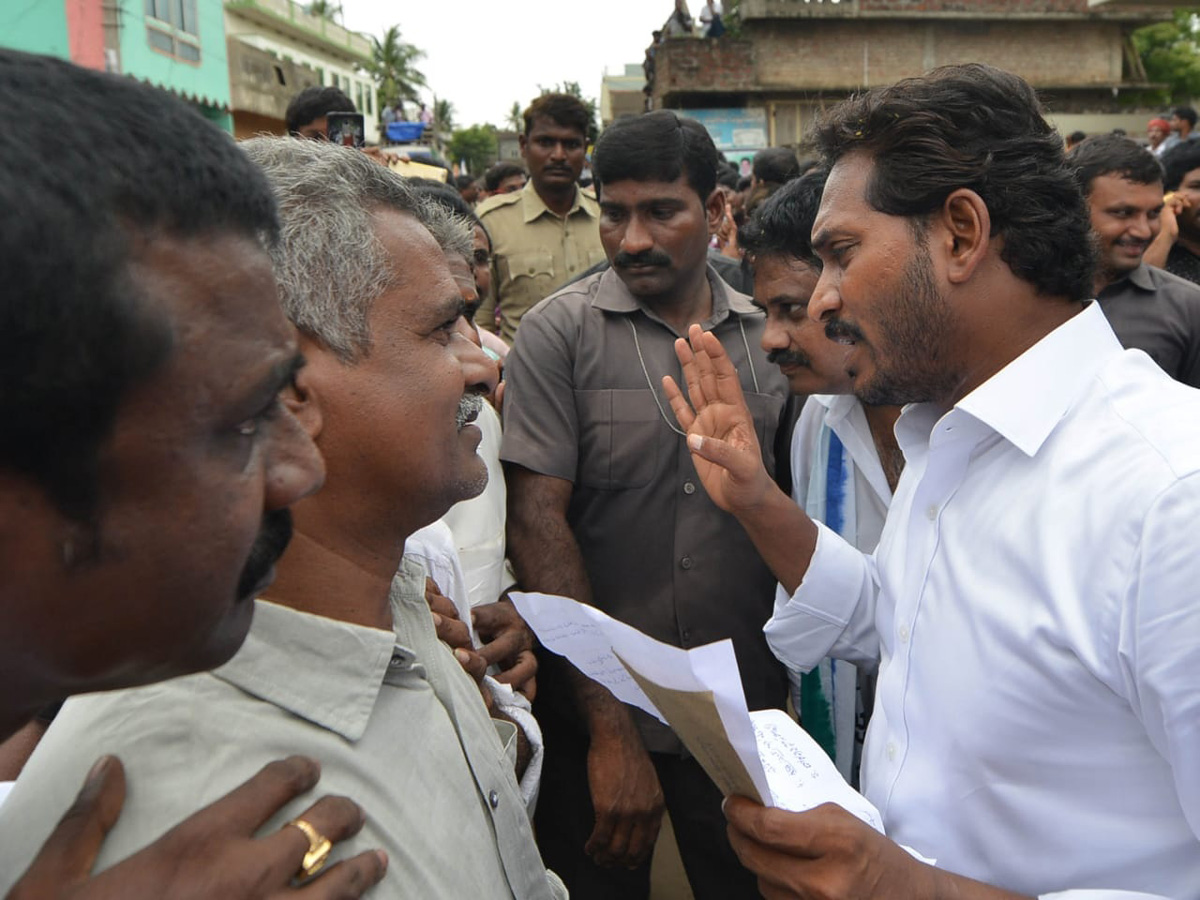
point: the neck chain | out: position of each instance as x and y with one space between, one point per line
650 384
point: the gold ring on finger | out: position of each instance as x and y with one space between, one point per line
318 849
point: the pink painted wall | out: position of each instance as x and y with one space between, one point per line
85 29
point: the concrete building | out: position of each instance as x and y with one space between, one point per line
177 45
276 49
622 95
794 57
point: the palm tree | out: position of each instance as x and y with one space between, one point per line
394 67
443 116
515 120
329 10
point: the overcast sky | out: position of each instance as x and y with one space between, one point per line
484 55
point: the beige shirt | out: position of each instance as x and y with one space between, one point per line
395 722
534 252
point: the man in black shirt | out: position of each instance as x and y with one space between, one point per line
1149 309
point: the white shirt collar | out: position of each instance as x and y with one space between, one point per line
1024 401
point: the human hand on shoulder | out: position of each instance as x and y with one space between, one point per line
212 855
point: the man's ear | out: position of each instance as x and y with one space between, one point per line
302 397
967 233
521 143
714 210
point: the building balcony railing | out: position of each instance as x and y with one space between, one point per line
292 18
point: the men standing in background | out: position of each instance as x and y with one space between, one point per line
605 507
545 234
307 112
845 460
1149 309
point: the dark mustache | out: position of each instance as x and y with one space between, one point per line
836 328
272 540
788 358
645 258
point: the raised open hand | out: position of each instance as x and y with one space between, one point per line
721 433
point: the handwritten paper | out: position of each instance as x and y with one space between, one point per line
763 755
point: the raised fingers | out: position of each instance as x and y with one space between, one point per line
679 406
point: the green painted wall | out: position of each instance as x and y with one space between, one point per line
39 26
205 83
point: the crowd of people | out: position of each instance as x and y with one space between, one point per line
913 422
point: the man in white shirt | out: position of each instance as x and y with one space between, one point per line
844 457
1032 599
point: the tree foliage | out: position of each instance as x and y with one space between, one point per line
443 116
1170 53
573 88
474 146
394 66
514 119
330 10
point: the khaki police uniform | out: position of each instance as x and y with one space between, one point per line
534 252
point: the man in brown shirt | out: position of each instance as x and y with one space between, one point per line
605 506
545 234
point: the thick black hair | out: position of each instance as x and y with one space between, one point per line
76 334
563 109
1186 113
1178 161
776 165
314 102
1112 154
656 146
783 223
464 181
500 171
976 127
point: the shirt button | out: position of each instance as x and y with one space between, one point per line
904 633
396 662
686 562
931 513
891 751
494 799
689 488
531 270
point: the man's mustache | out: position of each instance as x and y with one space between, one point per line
468 409
273 538
646 258
837 330
788 358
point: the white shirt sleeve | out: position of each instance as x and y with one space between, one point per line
1158 639
832 612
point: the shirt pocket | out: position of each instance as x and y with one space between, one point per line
619 434
530 273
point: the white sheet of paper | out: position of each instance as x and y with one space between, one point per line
801 775
592 640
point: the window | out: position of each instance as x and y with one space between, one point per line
172 28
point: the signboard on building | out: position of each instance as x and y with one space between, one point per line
735 131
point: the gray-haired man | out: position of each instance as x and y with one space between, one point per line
343 661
